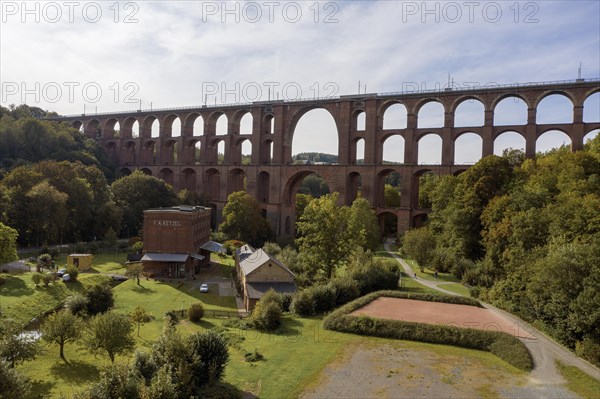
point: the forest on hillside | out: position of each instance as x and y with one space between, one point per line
525 235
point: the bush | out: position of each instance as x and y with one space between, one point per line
36 278
100 299
195 312
303 304
211 351
286 301
346 289
324 297
588 349
76 304
2 280
73 272
266 315
47 278
376 275
171 318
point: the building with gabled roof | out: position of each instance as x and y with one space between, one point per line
257 272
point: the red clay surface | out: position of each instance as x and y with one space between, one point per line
462 316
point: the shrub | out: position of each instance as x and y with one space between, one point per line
195 312
266 315
76 304
346 290
2 280
47 278
376 275
303 304
73 272
36 278
211 351
286 301
272 296
588 349
100 299
171 318
324 297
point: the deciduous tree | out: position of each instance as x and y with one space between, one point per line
62 327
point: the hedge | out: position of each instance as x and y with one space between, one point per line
503 345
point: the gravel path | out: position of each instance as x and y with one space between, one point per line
543 349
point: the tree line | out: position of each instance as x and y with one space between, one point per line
525 235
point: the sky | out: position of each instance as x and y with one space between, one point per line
113 56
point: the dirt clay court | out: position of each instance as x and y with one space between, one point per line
463 316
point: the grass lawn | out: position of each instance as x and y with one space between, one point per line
22 301
410 285
456 288
579 382
105 262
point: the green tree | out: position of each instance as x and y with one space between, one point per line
48 208
8 244
110 237
110 332
99 299
13 385
326 239
62 327
15 348
419 244
363 222
138 192
243 220
135 270
139 317
391 195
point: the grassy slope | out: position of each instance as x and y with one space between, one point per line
22 301
579 382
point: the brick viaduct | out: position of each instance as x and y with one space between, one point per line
272 178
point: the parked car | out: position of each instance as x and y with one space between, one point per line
204 288
61 272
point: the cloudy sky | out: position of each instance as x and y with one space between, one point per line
109 55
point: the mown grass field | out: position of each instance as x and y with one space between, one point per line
22 301
297 353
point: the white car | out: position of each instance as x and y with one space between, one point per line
204 288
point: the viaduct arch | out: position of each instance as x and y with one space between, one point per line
189 159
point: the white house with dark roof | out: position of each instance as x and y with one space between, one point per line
258 272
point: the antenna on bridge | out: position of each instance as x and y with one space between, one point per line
269 94
359 87
84 109
365 88
206 95
579 79
140 104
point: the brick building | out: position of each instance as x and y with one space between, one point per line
174 239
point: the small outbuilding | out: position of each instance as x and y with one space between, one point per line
257 272
80 261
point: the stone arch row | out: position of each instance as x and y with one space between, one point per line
273 126
191 151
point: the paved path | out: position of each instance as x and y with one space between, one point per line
544 350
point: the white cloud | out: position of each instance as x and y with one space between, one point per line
172 51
